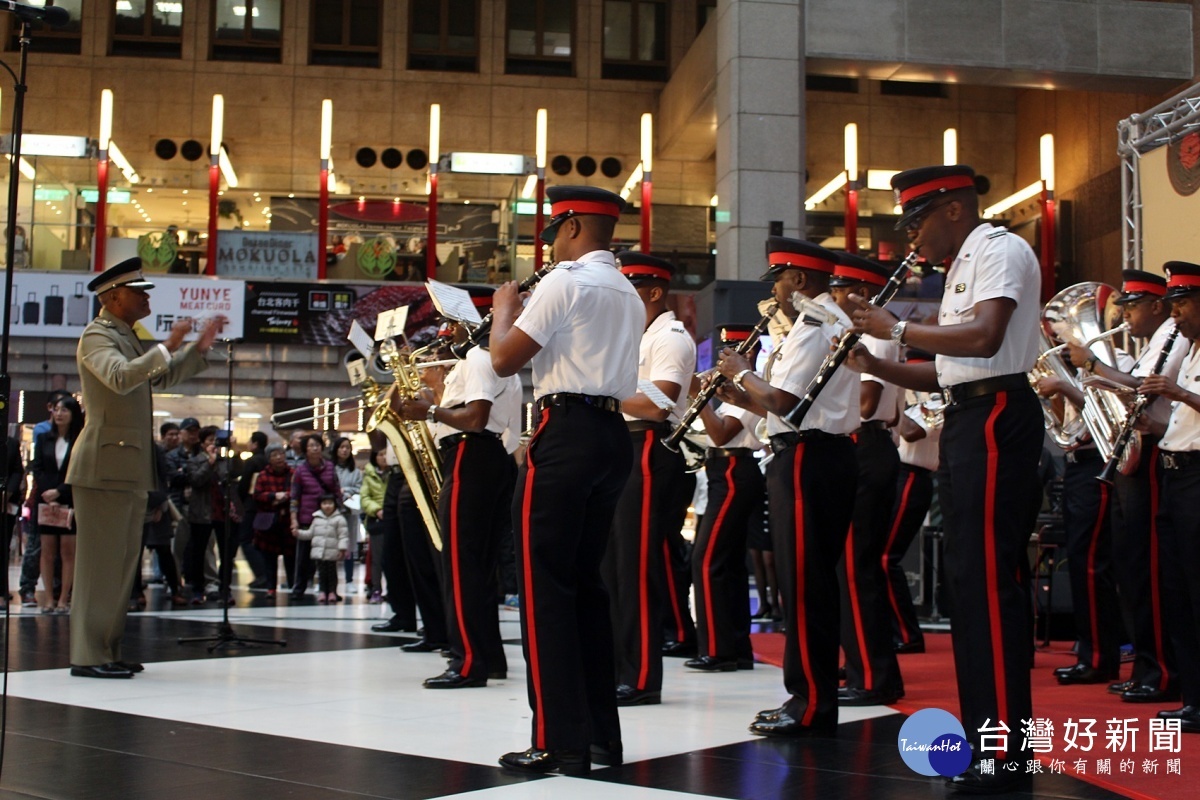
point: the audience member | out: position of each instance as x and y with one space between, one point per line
54 514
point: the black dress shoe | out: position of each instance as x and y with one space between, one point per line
976 781
768 714
851 696
497 676
453 680
710 664
841 674
745 663
1179 713
909 647
421 647
679 649
109 670
608 754
132 666
393 625
1150 694
784 725
1123 686
1082 673
565 762
629 696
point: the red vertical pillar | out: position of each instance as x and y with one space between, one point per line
851 217
100 245
214 186
647 201
322 219
1048 252
431 238
539 220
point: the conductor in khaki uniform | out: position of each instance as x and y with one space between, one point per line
112 466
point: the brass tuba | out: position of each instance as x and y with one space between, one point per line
1077 315
412 440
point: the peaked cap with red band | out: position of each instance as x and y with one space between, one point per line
733 334
1183 278
1137 285
917 188
574 201
641 267
784 253
852 269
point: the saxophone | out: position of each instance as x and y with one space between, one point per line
412 440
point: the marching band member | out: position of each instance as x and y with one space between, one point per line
1179 514
635 570
735 491
476 423
810 485
986 343
1136 554
872 672
918 451
581 330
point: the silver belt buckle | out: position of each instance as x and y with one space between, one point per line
948 395
1168 460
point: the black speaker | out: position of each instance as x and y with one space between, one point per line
365 157
610 167
560 165
417 159
165 149
585 166
191 150
391 158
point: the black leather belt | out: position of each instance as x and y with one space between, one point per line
446 442
1184 460
782 441
874 424
642 425
961 392
730 452
571 399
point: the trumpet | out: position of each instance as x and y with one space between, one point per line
675 438
480 331
846 344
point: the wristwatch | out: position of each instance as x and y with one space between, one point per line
737 379
430 414
898 331
1090 363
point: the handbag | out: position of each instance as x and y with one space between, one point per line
264 520
54 515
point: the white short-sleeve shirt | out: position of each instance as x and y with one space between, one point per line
800 357
884 350
746 437
588 320
1160 410
667 353
1183 431
474 379
922 452
993 263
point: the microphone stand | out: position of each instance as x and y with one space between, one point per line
226 636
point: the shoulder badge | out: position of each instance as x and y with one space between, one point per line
959 288
677 327
814 321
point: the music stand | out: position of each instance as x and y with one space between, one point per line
226 636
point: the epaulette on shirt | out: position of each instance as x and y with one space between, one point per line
677 327
996 234
814 321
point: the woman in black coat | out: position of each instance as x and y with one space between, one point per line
49 466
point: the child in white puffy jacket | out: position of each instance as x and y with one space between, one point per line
330 542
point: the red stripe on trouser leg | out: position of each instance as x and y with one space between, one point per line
455 566
1101 516
706 573
672 595
644 562
992 568
856 612
527 602
800 584
887 554
1155 589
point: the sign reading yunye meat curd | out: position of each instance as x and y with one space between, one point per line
285 256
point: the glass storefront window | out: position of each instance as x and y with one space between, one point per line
150 28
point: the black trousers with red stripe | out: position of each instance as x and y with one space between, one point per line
424 568
1179 531
678 625
914 493
1137 567
1088 529
990 496
866 622
566 494
634 568
810 491
473 507
735 490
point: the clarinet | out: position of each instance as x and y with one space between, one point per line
481 331
1135 412
846 344
671 441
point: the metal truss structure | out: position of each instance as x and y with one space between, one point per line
1137 136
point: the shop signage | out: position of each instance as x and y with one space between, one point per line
283 256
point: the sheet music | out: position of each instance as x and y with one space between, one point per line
357 370
655 395
390 324
453 303
361 340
